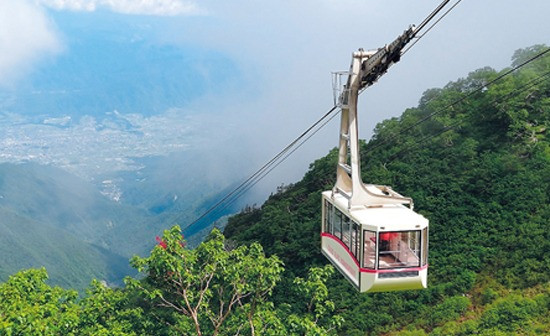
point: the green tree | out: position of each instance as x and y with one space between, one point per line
202 290
28 306
106 311
316 311
218 290
509 314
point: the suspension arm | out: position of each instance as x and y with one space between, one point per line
377 64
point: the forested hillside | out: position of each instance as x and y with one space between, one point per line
479 169
52 218
475 161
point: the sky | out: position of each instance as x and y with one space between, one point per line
285 52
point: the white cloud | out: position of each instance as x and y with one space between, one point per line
73 5
136 7
26 35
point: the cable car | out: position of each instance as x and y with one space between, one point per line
380 247
370 233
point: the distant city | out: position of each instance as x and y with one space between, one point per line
93 146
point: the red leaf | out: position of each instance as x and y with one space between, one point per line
161 242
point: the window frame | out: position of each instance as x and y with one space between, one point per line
346 231
418 255
338 224
424 246
328 224
355 232
365 252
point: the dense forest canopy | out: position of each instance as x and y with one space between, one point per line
478 168
474 156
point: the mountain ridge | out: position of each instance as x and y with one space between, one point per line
481 175
46 214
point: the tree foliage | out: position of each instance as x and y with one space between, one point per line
28 306
210 290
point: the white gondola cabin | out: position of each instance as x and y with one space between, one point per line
378 248
370 233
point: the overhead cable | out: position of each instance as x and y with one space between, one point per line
253 183
259 174
288 150
464 97
421 26
455 125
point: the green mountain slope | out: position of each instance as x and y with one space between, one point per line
51 218
479 169
169 189
71 262
51 195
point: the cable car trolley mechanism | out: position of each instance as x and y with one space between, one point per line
370 233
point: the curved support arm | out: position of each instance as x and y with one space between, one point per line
366 67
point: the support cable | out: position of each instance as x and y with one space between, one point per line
458 123
266 167
432 14
431 27
244 190
461 99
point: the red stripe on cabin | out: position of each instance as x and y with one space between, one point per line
328 235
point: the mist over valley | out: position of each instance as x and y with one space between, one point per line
101 149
